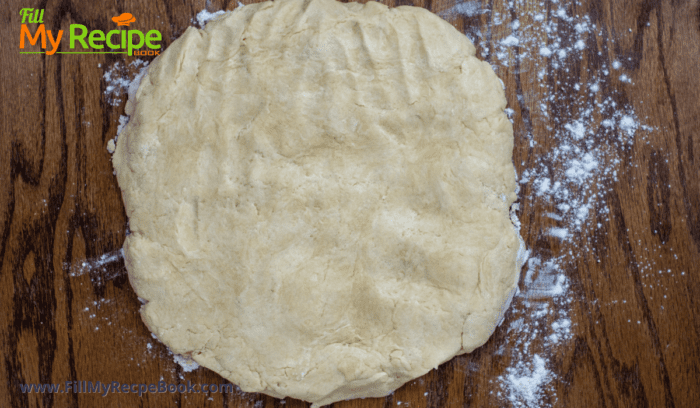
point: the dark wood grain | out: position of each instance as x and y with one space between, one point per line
60 205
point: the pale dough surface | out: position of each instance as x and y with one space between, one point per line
318 196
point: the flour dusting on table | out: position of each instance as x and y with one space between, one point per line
119 77
186 363
204 16
589 131
94 264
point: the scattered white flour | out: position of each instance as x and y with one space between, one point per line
544 279
467 8
203 17
588 132
510 41
526 380
186 363
95 264
625 78
119 77
99 270
131 85
123 119
629 125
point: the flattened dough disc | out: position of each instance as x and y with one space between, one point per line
318 196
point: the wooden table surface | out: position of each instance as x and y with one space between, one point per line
634 341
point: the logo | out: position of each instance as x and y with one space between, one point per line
96 41
124 19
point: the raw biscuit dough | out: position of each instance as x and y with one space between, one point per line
318 196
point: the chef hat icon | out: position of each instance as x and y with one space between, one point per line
124 19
